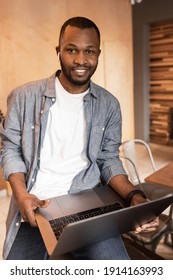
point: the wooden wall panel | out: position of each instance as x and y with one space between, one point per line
161 82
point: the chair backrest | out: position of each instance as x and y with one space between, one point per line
138 160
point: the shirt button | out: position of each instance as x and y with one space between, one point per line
53 99
17 224
41 112
103 128
33 180
32 127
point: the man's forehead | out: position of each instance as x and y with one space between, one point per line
73 33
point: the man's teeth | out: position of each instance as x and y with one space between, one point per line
80 70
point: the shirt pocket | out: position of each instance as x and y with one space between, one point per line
96 140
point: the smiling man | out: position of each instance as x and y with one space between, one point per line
78 53
62 134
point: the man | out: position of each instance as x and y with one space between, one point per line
62 134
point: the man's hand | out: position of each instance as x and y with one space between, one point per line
148 227
28 203
123 187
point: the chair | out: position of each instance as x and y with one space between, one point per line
4 185
139 163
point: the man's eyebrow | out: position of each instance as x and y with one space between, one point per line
71 45
88 46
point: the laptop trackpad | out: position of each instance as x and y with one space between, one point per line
64 205
82 201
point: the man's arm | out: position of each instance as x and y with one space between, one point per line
123 187
27 202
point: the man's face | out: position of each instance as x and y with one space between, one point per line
79 52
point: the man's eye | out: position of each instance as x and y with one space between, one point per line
71 50
90 52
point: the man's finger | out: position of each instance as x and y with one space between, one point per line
40 203
30 217
45 203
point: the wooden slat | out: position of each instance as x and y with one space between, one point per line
161 96
161 42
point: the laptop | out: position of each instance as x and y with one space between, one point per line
76 220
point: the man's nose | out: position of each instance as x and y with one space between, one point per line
80 58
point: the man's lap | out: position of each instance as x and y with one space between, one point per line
29 245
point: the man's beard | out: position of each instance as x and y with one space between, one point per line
75 81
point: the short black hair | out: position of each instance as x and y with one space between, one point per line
80 22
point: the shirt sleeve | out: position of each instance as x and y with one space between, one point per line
11 151
108 161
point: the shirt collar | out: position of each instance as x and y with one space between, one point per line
50 91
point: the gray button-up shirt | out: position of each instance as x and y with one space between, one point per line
24 130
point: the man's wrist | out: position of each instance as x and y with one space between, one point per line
132 194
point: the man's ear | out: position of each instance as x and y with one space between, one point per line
57 49
99 52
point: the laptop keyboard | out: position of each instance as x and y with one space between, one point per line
59 223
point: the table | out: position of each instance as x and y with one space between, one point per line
163 176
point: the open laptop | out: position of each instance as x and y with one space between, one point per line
90 216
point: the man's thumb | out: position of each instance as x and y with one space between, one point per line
44 203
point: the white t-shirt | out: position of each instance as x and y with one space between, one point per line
63 154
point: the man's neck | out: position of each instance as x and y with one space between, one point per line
71 88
